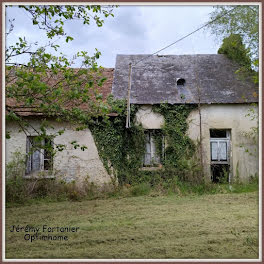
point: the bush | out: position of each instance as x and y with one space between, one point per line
162 182
15 183
140 189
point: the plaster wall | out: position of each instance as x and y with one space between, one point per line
244 152
223 116
149 119
69 164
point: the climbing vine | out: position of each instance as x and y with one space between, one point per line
122 149
178 144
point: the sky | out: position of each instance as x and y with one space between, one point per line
132 30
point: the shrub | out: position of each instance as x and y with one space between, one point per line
15 183
140 189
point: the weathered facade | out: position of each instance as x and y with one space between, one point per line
69 164
243 159
219 123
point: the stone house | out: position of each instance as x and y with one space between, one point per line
221 122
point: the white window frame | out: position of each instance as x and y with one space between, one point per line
228 149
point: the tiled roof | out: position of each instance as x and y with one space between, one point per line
105 90
208 78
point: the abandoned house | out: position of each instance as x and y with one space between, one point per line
220 124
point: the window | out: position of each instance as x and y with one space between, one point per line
154 148
220 154
39 154
218 150
220 145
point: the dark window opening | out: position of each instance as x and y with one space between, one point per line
180 81
220 173
218 133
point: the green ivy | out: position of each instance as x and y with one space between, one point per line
122 149
178 144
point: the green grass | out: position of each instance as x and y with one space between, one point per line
192 226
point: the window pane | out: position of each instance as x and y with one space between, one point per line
214 148
147 159
148 149
36 160
222 151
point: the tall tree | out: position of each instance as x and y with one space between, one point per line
240 19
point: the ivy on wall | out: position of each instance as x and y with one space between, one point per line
122 149
178 144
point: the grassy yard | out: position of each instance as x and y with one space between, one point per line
206 226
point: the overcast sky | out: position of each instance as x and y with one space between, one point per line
133 30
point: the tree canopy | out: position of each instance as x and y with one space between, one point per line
45 83
240 20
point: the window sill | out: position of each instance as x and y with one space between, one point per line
151 168
39 175
219 162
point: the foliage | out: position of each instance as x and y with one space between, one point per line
180 151
52 18
242 20
235 50
15 189
122 149
140 189
45 82
20 190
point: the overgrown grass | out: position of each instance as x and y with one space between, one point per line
167 226
21 192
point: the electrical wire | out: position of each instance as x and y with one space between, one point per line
186 35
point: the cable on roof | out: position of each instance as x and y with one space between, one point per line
131 65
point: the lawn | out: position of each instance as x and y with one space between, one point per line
206 226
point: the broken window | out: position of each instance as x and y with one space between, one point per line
39 154
220 154
154 149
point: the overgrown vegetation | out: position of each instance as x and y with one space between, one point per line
39 78
235 50
20 190
122 149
